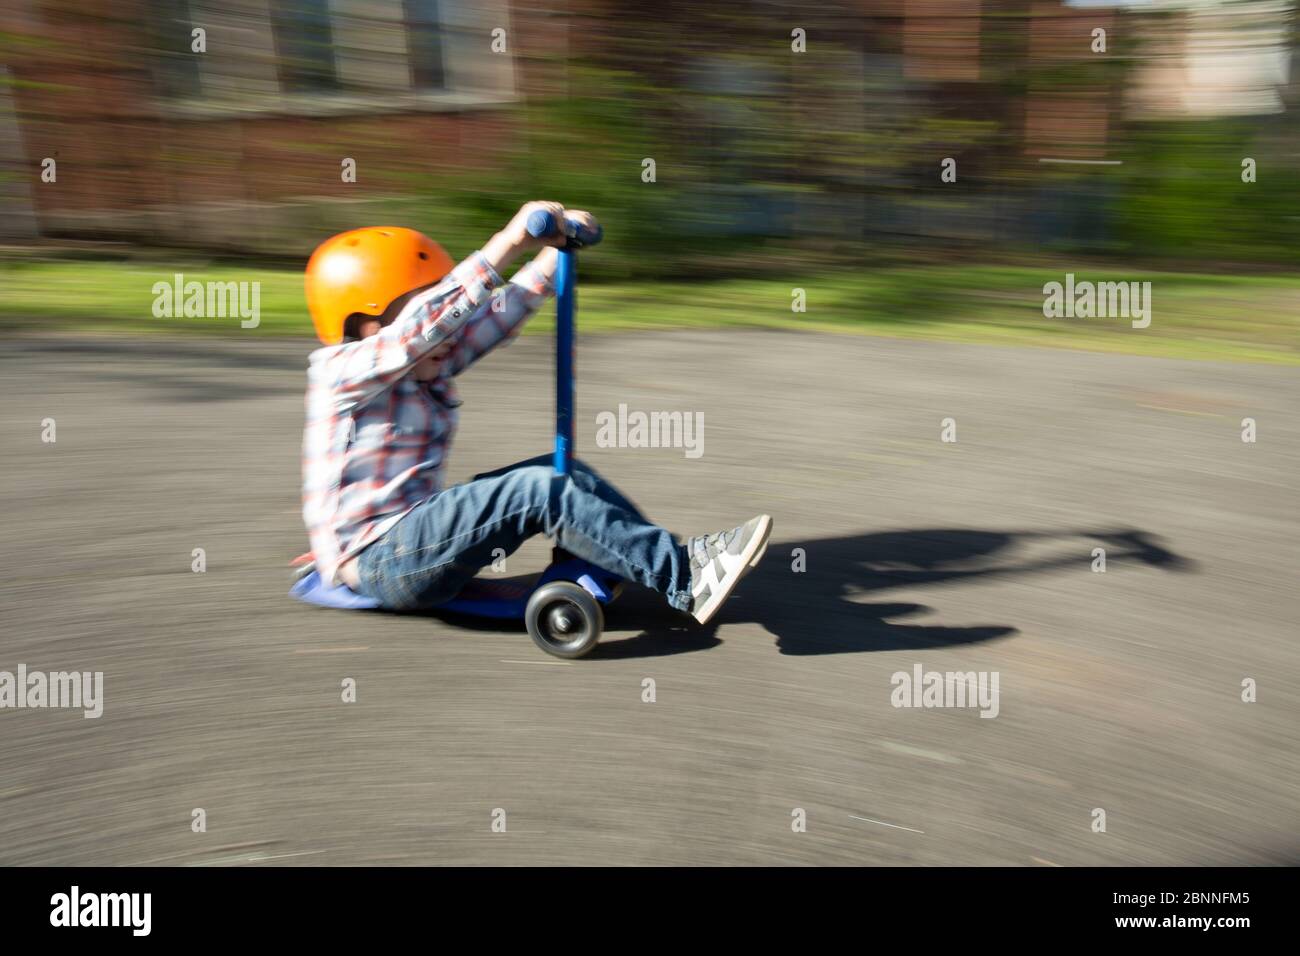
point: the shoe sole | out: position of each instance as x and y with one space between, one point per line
750 557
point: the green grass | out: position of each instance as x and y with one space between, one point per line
1221 317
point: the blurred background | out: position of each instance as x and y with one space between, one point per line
795 150
789 142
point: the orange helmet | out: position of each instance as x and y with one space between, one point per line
366 269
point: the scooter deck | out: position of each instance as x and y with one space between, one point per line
481 597
498 599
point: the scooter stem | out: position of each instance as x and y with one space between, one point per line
565 296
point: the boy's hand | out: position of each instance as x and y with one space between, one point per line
518 227
584 218
514 238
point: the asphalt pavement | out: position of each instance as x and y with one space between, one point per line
773 735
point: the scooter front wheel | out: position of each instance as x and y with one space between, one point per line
564 619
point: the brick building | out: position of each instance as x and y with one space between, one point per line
229 123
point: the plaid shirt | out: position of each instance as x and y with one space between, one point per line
376 439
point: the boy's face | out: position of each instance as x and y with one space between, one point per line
428 367
367 325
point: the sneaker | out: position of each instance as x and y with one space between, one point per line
720 560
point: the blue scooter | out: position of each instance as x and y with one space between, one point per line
563 608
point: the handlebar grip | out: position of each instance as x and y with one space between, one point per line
541 224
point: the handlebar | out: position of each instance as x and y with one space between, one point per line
541 224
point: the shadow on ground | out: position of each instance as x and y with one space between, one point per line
194 371
823 609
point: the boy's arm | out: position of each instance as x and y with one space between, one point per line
510 306
360 370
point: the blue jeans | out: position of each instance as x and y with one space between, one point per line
437 547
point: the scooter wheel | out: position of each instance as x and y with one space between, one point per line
564 619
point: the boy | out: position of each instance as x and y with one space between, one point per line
399 323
